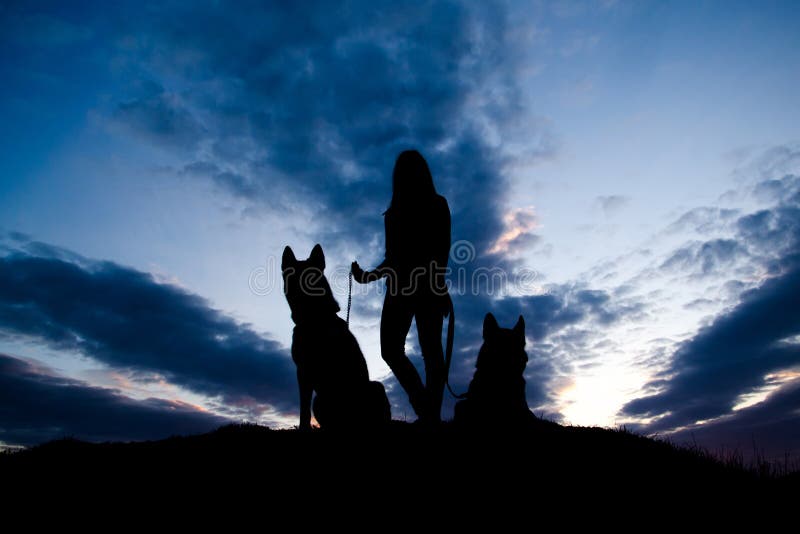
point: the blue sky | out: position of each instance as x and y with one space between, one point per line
641 158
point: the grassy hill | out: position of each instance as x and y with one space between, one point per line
404 464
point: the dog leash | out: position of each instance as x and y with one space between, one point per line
448 353
349 296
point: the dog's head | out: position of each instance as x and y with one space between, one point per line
305 286
503 349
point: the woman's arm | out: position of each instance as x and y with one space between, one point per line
364 277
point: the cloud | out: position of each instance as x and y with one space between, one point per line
229 181
127 320
770 164
749 258
161 118
738 275
736 243
703 220
518 234
732 355
771 426
705 258
568 305
612 204
37 405
729 357
771 232
698 304
310 106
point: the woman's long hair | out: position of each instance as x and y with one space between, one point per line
412 183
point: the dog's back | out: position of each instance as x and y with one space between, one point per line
326 353
497 391
329 352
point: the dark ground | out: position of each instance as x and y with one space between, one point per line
405 468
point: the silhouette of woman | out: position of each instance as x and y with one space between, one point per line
417 226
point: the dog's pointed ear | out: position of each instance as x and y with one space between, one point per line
288 258
317 257
490 326
519 328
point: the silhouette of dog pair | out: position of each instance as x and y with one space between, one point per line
330 363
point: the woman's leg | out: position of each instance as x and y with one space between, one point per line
429 326
395 322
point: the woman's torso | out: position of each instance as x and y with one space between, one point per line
418 244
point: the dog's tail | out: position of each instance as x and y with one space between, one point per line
448 353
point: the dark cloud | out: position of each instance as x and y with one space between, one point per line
785 189
772 427
125 319
566 305
759 239
728 358
734 353
771 232
313 103
36 406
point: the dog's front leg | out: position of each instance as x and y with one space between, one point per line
306 391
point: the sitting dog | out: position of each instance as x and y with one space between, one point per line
328 358
496 394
